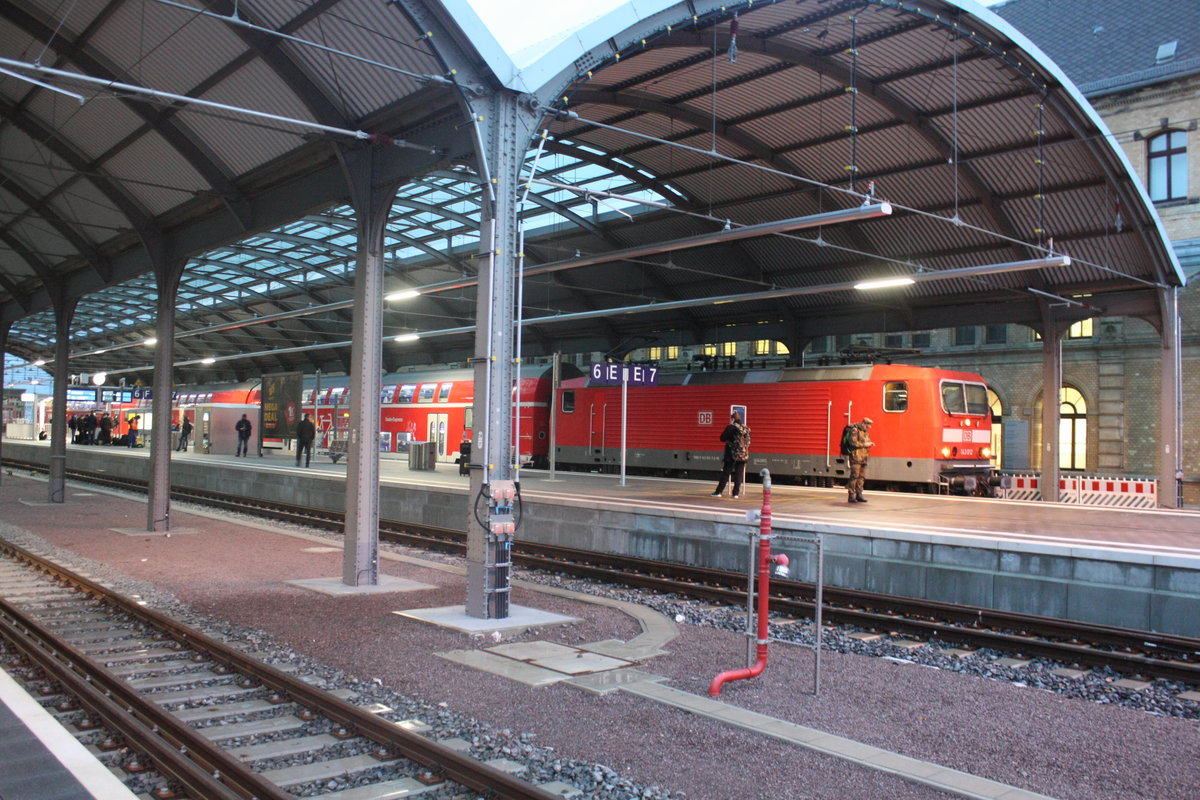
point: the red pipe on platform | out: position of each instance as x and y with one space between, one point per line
764 596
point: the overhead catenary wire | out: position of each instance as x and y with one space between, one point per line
125 89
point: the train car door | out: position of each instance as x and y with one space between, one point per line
438 424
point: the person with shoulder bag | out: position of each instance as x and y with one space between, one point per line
736 437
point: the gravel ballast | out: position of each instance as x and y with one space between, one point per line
1065 738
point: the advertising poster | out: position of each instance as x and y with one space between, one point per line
281 404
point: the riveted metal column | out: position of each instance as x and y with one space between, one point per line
1051 392
493 507
158 509
360 557
64 312
1170 399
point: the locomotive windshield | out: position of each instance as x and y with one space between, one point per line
960 397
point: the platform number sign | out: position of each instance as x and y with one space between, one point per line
613 374
704 418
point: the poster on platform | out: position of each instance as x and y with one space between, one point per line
281 404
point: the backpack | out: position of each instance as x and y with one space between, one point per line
847 440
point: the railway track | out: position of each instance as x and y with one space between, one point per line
184 715
1132 652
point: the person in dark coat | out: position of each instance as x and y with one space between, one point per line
73 424
860 449
306 432
185 433
736 437
106 426
243 429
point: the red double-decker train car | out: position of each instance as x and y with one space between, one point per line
433 406
932 427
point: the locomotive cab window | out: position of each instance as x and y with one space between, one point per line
959 397
895 396
568 401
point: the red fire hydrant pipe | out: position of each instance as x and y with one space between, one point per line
764 596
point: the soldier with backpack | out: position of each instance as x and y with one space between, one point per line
736 437
856 446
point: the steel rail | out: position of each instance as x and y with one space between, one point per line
439 759
176 751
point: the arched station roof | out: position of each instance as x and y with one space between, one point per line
659 122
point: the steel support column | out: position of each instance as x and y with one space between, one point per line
1051 393
505 130
64 312
1170 403
360 556
158 509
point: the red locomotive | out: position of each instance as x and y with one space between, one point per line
933 426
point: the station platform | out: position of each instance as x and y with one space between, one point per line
1126 567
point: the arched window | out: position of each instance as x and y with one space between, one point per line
1166 174
997 427
1072 429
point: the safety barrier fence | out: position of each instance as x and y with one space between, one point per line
1091 490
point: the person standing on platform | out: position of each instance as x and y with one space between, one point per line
859 450
133 430
306 432
185 433
106 426
243 429
73 424
736 437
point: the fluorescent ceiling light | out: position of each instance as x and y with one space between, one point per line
41 362
408 337
209 360
99 378
884 283
150 342
404 294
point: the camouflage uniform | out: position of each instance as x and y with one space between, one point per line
859 451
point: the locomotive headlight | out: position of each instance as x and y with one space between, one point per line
986 452
945 452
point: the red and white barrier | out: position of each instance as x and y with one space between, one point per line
1090 490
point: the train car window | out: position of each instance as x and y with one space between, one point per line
406 393
428 390
444 394
977 398
895 396
568 401
953 399
386 393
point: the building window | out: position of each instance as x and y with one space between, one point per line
729 348
1080 330
922 339
819 344
893 340
654 353
996 334
762 347
708 349
1167 166
840 343
673 352
965 335
1072 429
781 349
997 427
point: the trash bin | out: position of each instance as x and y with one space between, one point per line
421 456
